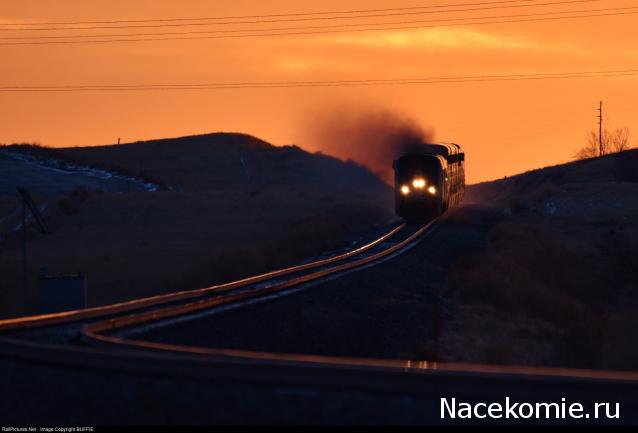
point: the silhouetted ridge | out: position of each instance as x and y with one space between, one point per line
223 160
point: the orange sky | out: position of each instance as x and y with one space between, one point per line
505 127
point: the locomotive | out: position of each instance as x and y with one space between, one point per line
429 181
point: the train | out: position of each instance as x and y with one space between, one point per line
429 181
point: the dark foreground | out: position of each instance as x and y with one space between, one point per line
190 392
384 311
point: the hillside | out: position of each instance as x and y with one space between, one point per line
229 205
227 160
557 282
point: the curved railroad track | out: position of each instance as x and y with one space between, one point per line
180 303
102 339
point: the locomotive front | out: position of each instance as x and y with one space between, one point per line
417 186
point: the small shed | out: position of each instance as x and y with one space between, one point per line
61 292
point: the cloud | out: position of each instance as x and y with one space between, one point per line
439 38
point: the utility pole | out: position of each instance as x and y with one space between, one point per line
600 128
28 204
25 273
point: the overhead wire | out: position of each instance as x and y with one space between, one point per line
325 83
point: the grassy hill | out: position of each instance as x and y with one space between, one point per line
228 160
233 206
557 282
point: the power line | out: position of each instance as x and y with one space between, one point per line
377 15
334 83
274 32
262 16
454 77
280 29
267 15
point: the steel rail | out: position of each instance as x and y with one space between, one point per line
92 330
165 358
419 377
148 348
96 334
35 321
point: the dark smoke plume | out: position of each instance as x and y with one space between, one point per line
373 138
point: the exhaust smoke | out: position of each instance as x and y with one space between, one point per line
371 137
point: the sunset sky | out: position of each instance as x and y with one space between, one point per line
505 126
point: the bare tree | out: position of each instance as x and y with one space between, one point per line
619 139
591 149
613 141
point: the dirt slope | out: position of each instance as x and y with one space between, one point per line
557 283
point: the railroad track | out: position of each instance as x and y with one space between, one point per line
293 280
103 338
65 326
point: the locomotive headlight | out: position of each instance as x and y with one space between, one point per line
432 190
405 190
418 183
